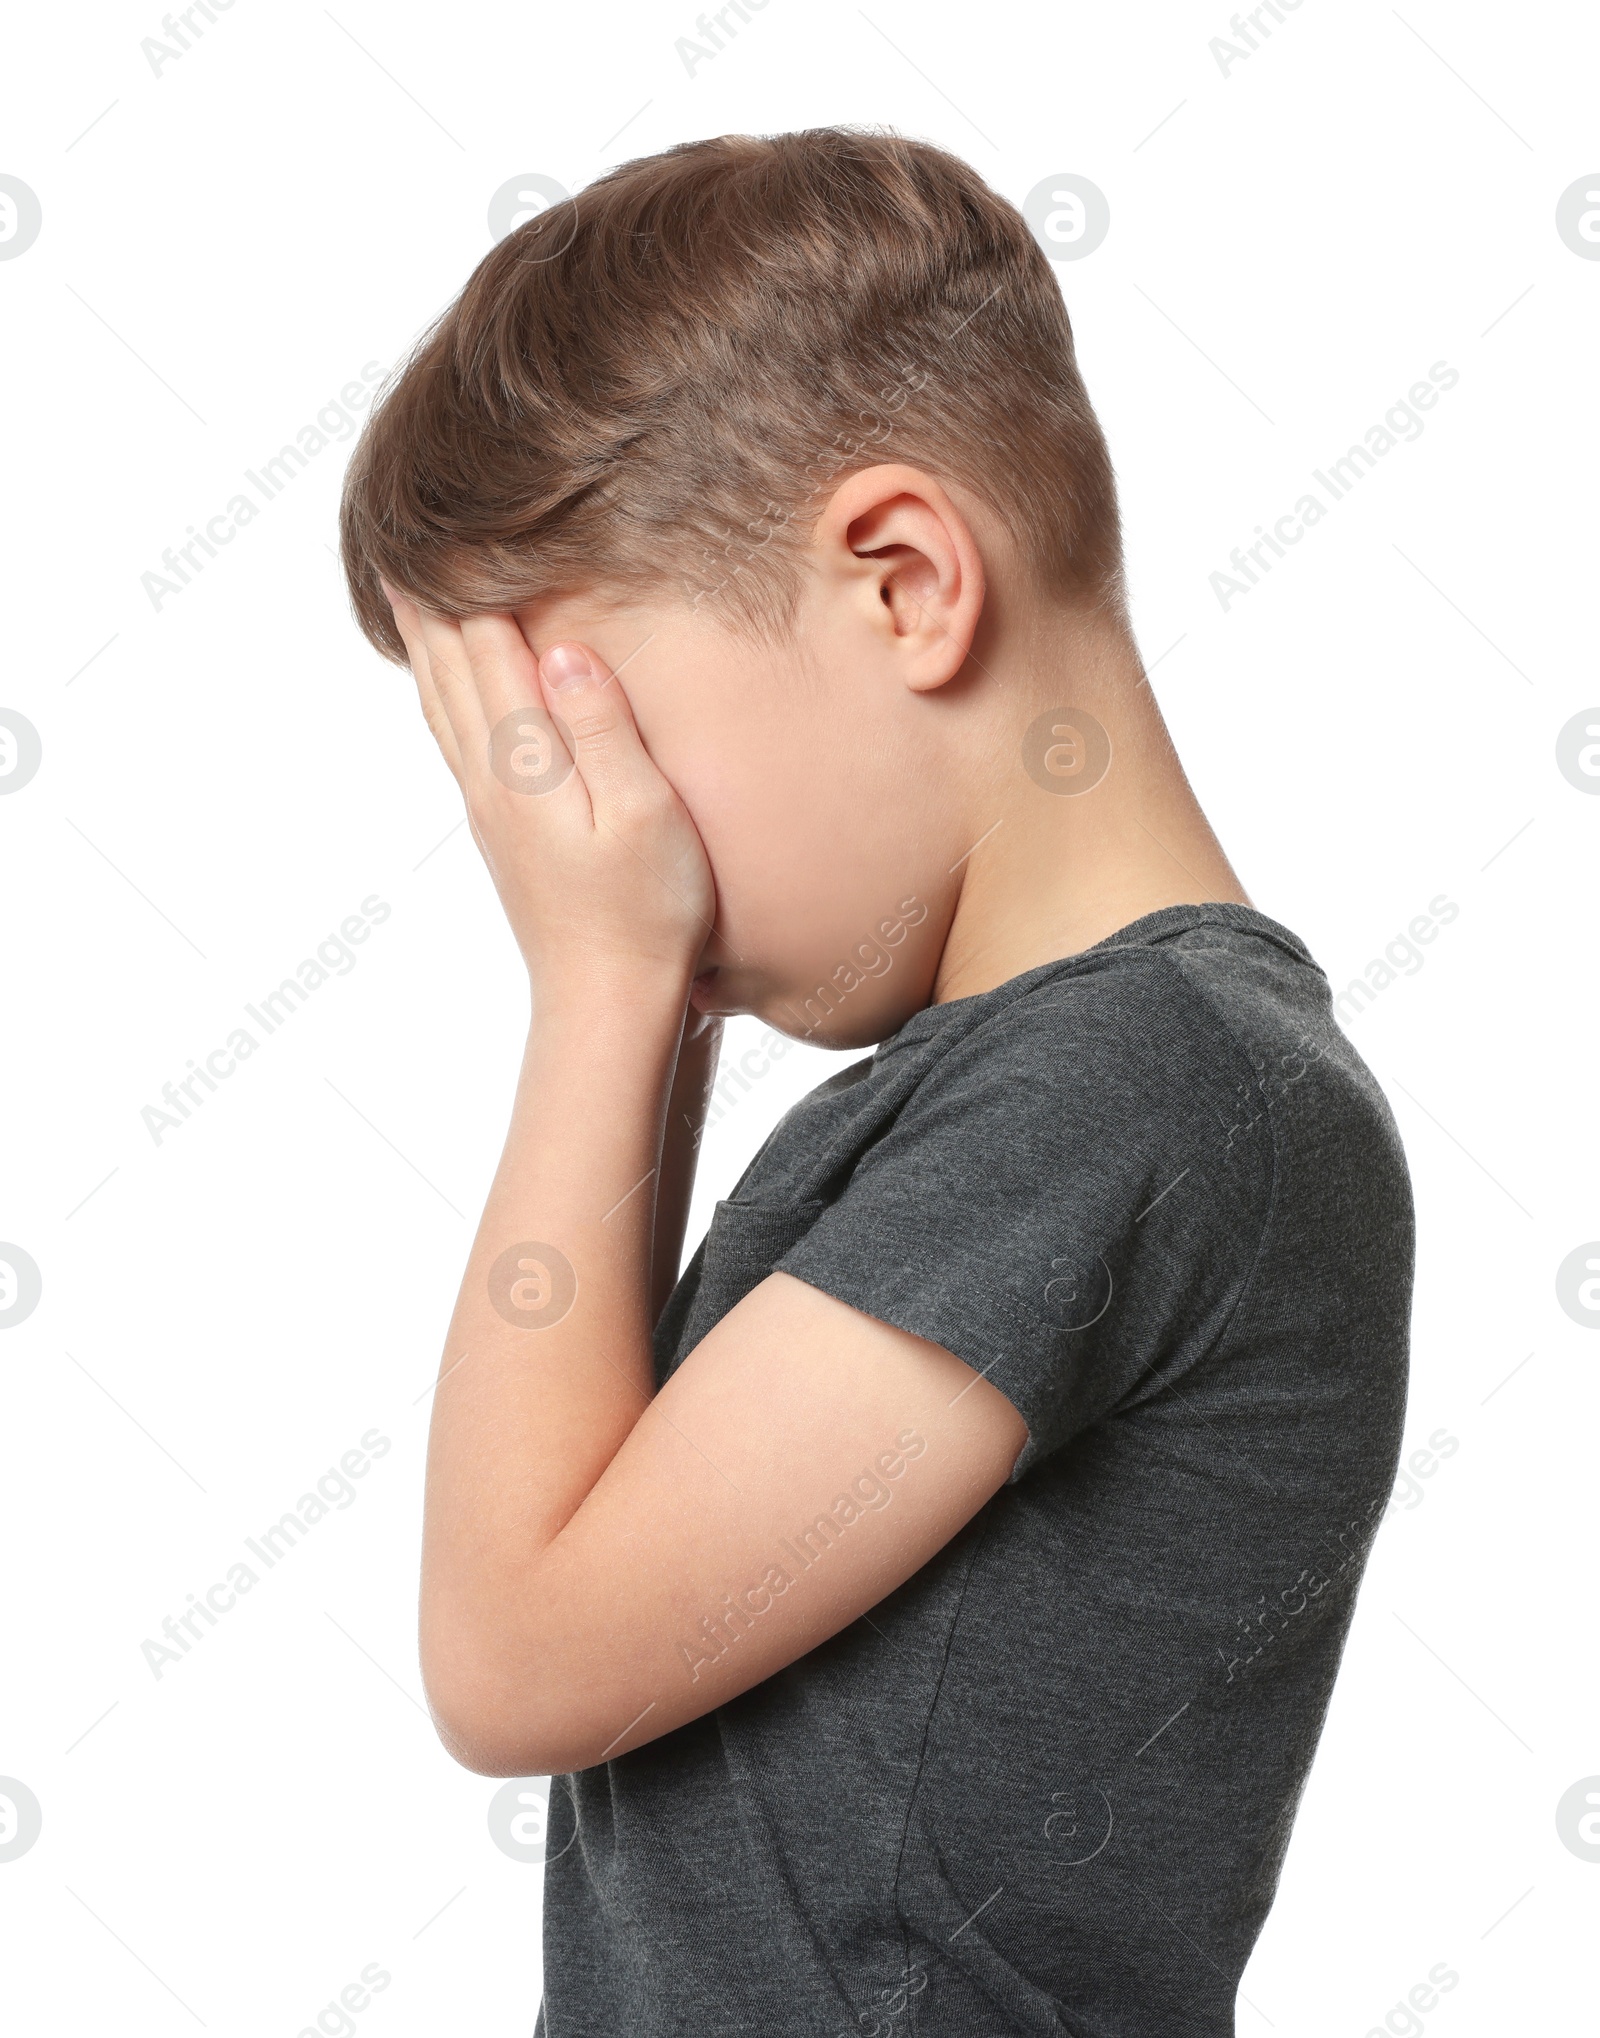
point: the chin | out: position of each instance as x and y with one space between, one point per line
853 1023
815 1014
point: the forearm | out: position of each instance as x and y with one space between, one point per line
526 1419
687 1104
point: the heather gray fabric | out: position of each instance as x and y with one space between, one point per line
1046 1786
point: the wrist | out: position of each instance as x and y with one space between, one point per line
626 996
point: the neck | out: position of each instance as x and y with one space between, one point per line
1055 868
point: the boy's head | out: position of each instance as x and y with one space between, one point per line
794 426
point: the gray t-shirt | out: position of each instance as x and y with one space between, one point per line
1046 1786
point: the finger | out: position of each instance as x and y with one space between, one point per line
503 666
527 746
405 621
451 672
612 761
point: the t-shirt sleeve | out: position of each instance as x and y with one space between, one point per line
1069 1200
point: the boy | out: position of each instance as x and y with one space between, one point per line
927 1606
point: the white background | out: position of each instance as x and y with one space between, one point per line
225 779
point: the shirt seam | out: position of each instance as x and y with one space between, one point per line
1174 959
1225 1332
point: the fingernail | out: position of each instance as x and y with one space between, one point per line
565 665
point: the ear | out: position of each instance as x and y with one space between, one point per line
895 546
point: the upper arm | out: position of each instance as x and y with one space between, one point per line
799 1465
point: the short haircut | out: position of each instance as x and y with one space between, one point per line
657 384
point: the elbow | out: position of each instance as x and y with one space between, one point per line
496 1724
482 1746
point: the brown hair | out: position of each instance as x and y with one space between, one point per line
661 379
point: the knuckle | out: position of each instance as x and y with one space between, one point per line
595 729
640 810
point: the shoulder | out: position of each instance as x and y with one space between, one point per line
1101 1035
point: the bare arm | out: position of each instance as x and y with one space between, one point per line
602 1563
687 1104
